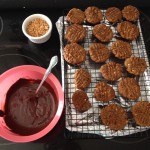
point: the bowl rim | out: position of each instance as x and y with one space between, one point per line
22 139
37 16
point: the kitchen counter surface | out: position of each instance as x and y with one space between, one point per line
13 41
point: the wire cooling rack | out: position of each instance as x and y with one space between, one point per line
88 124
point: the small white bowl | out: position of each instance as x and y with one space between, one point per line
42 38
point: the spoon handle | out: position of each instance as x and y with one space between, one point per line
52 64
44 78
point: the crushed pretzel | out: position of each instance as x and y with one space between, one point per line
38 27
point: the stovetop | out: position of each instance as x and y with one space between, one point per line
16 49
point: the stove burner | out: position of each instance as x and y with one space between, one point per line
9 61
1 25
129 141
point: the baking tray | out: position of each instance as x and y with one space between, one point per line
88 124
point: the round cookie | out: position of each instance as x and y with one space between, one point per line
135 65
130 13
74 54
104 92
114 116
113 14
129 88
76 16
127 30
82 78
141 113
75 33
98 52
102 32
111 71
121 49
80 101
93 15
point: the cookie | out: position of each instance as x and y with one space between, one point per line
98 52
135 65
76 16
114 116
141 113
74 54
75 33
102 32
93 15
111 71
121 49
82 78
104 92
129 88
113 14
80 101
127 30
130 13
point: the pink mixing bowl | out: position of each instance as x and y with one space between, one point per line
8 78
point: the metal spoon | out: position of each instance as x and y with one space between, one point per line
53 62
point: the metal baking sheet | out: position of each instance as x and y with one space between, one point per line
89 121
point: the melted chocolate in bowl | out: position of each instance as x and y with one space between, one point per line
27 113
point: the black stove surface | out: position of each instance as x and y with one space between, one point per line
16 49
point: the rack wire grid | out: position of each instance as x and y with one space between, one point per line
88 124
